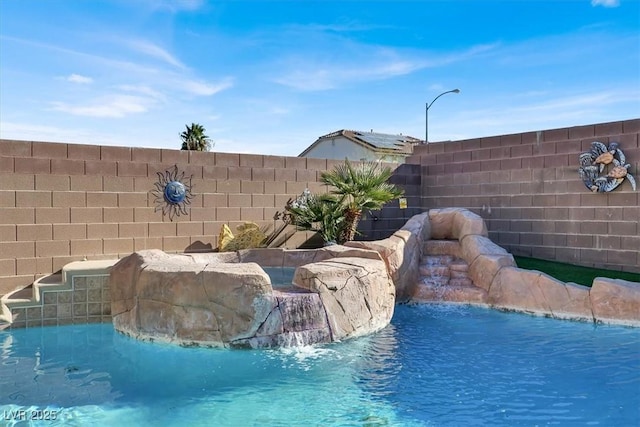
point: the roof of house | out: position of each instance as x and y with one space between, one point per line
379 142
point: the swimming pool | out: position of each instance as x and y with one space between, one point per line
434 365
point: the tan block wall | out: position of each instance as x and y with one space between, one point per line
383 223
526 187
64 202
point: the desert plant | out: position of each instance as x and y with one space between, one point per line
359 188
321 213
194 138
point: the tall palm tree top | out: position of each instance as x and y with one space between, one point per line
194 138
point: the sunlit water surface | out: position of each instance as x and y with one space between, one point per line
434 366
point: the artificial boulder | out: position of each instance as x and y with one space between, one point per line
401 253
357 293
616 301
216 300
176 299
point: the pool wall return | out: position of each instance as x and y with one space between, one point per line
337 292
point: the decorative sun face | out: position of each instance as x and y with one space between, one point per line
172 193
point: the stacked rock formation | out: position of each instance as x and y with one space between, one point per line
227 299
338 292
499 283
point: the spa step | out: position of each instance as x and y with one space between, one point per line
443 265
437 260
444 270
435 280
426 292
31 295
435 270
445 278
459 265
446 281
25 293
441 247
460 281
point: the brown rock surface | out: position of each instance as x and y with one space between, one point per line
485 267
175 298
499 283
474 246
615 300
441 221
534 292
442 247
467 223
514 289
197 300
401 253
566 300
357 293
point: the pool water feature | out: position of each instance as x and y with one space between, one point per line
434 365
281 277
228 300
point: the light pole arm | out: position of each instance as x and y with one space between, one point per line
426 113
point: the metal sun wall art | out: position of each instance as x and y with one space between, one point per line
603 169
172 193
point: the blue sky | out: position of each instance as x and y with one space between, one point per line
271 77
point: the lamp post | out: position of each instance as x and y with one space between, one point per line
428 105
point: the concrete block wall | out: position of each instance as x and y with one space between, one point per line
526 187
382 224
64 202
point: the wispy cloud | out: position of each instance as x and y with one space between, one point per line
77 78
124 95
545 113
89 57
342 27
268 108
155 51
35 132
133 99
576 102
201 88
175 5
331 76
371 63
143 90
113 106
605 3
78 134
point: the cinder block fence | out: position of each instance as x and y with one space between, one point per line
66 202
526 187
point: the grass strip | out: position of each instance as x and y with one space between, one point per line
573 273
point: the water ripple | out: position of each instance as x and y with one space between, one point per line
434 365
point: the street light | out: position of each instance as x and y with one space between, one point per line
426 122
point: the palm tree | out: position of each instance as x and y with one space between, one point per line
320 213
360 187
195 139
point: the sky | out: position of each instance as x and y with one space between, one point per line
270 77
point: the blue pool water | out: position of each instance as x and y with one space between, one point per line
434 366
281 277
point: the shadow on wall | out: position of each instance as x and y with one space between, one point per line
199 246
